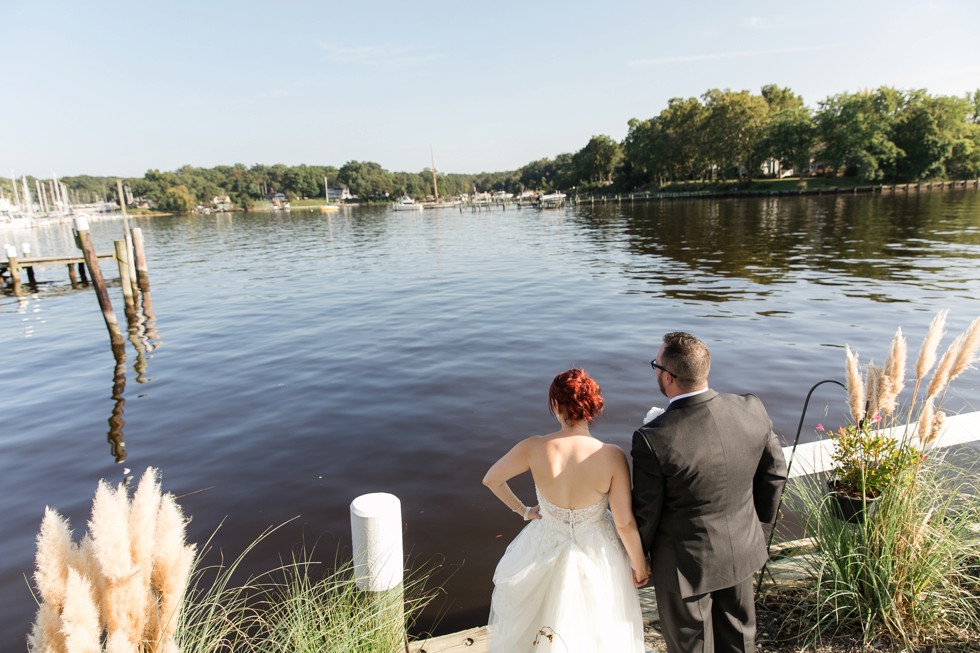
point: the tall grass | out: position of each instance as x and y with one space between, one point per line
906 576
132 585
289 609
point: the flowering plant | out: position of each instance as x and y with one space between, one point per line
873 451
868 460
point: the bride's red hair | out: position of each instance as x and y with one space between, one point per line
576 395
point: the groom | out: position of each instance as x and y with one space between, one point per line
707 475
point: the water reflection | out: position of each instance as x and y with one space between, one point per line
143 336
707 251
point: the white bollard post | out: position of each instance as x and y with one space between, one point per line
376 527
26 249
376 530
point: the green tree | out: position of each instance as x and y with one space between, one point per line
781 99
734 125
856 131
596 162
366 180
964 160
178 199
791 136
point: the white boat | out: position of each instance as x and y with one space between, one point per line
406 204
16 221
551 200
442 205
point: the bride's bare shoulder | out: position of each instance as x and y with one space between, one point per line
613 451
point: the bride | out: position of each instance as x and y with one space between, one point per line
566 582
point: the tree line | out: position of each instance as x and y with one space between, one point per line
881 135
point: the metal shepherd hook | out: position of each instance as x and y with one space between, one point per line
789 466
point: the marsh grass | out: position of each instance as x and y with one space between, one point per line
291 609
132 584
905 577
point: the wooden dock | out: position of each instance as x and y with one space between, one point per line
810 458
14 266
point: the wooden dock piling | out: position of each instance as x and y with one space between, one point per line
25 249
125 281
139 258
85 243
13 267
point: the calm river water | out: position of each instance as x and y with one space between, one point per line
298 360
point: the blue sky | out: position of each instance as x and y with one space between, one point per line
117 88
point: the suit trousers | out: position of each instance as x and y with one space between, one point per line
716 622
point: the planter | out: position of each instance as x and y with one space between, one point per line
849 508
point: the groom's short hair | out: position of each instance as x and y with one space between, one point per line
687 358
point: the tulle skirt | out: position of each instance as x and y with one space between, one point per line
563 589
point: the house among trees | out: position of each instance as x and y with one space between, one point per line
221 203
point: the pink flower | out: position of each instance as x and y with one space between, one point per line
876 418
820 427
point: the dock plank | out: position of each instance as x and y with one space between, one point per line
473 640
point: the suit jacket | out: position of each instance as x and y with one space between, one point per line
707 474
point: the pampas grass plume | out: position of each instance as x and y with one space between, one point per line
124 581
80 617
872 389
937 427
45 636
143 519
893 379
926 419
927 353
172 563
172 593
855 385
941 377
119 643
54 550
967 354
109 529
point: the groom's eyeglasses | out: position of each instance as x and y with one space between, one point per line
657 366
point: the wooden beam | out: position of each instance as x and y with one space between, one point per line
473 640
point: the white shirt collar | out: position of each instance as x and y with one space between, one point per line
687 394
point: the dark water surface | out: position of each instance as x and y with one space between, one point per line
301 359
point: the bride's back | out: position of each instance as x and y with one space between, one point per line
571 471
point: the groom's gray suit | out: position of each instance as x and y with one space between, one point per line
707 474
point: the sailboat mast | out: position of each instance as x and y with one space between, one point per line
435 185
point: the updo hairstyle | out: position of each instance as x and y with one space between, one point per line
575 395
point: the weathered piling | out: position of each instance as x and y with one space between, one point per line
139 258
13 268
122 259
25 249
84 239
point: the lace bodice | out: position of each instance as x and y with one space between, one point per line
570 519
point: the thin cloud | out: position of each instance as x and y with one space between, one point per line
378 55
728 55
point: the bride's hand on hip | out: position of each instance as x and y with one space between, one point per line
533 512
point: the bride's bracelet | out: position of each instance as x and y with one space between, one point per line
523 510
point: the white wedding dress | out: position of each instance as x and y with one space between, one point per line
564 586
